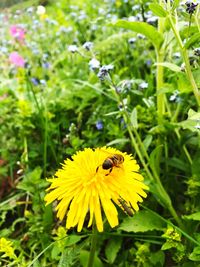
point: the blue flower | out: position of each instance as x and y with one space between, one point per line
88 45
72 48
104 70
35 81
99 125
94 64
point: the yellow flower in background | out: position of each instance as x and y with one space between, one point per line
6 248
89 184
41 12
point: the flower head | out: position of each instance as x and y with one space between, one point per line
41 10
6 247
190 7
94 64
72 48
17 32
85 184
16 59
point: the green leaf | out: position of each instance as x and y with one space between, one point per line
178 164
142 221
67 258
154 158
157 258
134 121
118 141
158 10
84 256
147 141
193 121
195 255
175 4
112 249
195 216
142 27
170 66
192 40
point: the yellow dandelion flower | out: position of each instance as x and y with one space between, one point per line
96 180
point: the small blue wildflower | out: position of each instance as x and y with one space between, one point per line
99 125
36 22
176 55
152 21
140 36
94 64
94 27
136 7
175 97
82 16
132 40
45 56
143 85
4 49
72 48
46 65
103 71
148 62
132 18
88 45
190 7
35 81
29 10
126 85
197 52
43 82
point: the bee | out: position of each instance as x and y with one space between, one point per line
115 160
126 209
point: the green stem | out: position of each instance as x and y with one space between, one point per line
190 76
45 143
92 247
196 17
155 177
186 61
184 147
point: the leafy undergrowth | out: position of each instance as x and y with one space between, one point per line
118 73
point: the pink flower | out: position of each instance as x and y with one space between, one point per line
17 32
16 59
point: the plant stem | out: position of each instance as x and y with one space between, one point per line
186 61
92 247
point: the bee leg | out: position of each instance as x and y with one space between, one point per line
109 171
97 169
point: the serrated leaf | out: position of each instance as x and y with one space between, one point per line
192 40
142 221
158 10
170 66
142 27
112 249
195 216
